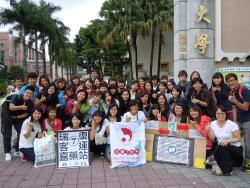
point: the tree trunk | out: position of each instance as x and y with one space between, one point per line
62 70
24 55
130 60
50 61
67 72
36 51
152 51
100 67
134 39
159 54
56 69
44 57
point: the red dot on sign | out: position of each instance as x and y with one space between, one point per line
123 139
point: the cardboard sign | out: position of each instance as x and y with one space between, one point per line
73 148
127 142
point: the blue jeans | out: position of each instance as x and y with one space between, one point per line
29 153
107 151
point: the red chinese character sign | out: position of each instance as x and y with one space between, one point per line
127 141
73 149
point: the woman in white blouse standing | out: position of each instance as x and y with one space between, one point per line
111 118
228 151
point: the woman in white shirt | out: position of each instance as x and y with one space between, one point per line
31 128
111 118
134 115
229 150
75 123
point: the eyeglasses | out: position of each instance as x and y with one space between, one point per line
221 114
231 80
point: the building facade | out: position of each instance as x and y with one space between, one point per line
11 54
223 30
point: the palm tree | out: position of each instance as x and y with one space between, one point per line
19 15
126 17
159 17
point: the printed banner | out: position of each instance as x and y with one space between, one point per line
127 141
73 149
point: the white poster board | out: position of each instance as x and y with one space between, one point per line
73 149
173 150
127 141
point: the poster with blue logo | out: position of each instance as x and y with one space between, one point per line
127 142
73 149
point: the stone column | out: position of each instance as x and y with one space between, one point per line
195 60
180 36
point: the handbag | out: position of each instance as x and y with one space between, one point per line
45 150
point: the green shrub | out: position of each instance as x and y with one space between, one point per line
3 88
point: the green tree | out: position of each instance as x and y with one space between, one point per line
127 18
19 16
15 71
158 16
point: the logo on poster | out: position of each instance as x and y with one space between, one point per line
127 135
171 149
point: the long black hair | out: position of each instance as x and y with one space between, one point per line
151 115
41 118
118 117
224 89
78 115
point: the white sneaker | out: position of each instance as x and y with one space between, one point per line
17 153
7 156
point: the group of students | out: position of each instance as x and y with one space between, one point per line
219 113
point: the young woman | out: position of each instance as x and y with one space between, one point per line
163 90
124 101
201 123
113 91
94 127
202 97
75 81
134 115
48 98
74 105
142 82
75 123
97 83
43 82
144 103
112 117
134 90
229 148
176 97
61 85
89 87
220 93
163 103
51 124
155 113
31 128
179 114
107 100
196 74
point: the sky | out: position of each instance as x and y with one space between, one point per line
74 13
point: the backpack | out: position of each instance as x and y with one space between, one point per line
6 119
240 91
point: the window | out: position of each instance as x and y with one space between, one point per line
140 67
164 67
2 57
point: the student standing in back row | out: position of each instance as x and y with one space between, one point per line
240 97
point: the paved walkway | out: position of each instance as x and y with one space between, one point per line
22 174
